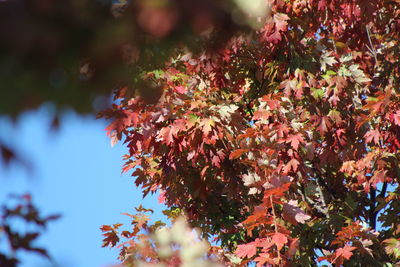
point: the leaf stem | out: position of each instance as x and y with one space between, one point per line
275 224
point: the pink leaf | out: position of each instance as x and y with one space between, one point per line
279 239
345 252
293 214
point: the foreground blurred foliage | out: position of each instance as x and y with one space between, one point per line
25 215
72 52
155 244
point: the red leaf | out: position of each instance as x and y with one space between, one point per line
295 140
166 135
277 192
372 135
272 30
374 104
291 165
265 258
324 124
379 177
396 118
322 5
106 228
246 250
279 239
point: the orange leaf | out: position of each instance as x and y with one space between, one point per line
237 153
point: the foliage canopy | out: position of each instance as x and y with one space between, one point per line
283 144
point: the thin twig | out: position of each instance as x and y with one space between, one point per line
372 49
313 203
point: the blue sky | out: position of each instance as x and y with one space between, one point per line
77 173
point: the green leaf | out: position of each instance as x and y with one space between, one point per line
317 93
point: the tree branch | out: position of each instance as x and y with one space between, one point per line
372 206
323 210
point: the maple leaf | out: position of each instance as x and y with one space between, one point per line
348 167
246 250
294 246
373 104
277 191
265 258
139 220
292 165
280 20
165 135
293 214
262 114
250 178
295 140
396 118
378 177
322 5
226 111
181 89
358 74
237 153
161 197
106 228
326 59
324 125
345 252
372 135
207 125
279 240
111 239
392 246
272 30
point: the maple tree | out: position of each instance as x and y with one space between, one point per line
283 144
